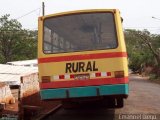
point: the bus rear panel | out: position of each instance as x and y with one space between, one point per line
82 54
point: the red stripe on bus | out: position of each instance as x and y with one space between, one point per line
82 57
98 74
80 83
61 76
108 73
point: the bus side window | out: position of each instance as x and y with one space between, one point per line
47 40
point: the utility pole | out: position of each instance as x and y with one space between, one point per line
43 9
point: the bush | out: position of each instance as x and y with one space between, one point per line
153 77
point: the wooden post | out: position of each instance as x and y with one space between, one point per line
20 104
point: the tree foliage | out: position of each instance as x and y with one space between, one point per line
16 43
143 49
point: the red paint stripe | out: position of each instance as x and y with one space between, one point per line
82 57
61 76
79 83
98 74
108 73
71 76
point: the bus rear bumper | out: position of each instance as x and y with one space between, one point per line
87 91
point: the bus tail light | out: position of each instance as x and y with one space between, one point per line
119 74
46 79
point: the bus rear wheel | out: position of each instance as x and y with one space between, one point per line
115 102
120 102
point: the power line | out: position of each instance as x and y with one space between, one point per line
155 18
28 13
15 30
143 27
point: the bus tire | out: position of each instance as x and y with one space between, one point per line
111 103
120 103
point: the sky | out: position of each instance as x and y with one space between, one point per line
137 14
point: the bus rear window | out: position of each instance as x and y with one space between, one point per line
79 32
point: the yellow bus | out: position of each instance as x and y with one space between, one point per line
82 54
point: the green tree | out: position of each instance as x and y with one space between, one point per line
143 49
151 42
16 43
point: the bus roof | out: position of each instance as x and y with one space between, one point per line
79 11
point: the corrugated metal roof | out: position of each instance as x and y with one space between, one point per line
10 74
24 63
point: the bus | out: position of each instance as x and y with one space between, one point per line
82 55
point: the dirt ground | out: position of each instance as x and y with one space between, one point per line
11 109
144 97
31 107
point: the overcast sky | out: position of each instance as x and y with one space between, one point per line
137 14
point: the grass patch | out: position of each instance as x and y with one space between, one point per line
154 78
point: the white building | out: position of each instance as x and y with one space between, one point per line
11 74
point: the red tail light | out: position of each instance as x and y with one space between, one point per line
119 74
46 79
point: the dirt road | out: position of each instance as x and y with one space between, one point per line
144 97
